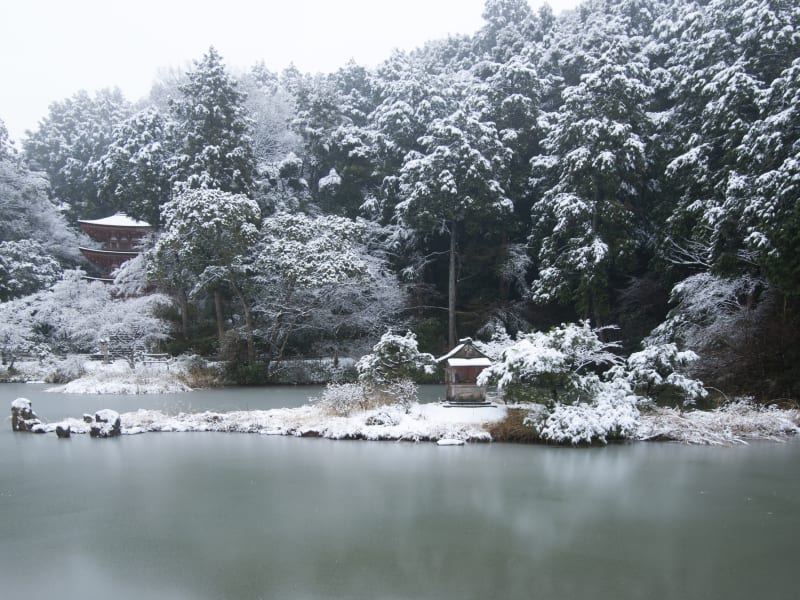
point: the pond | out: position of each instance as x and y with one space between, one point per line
211 515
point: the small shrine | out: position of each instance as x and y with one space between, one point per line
463 364
119 237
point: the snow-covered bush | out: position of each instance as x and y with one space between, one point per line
611 414
25 268
552 366
560 370
384 417
734 422
67 370
341 399
393 358
654 372
403 393
74 315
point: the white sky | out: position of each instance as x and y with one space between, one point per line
50 49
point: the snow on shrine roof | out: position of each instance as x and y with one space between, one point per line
469 362
117 220
463 342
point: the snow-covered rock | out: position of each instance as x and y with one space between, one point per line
23 418
107 423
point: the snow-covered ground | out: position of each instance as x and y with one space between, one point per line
735 423
119 378
95 377
424 422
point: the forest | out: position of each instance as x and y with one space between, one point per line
632 166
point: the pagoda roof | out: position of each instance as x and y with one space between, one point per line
117 220
109 252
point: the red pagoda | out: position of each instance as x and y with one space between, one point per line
119 236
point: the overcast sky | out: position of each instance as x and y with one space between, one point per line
50 49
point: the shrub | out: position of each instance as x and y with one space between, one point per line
244 374
402 393
65 371
551 367
341 399
394 358
612 414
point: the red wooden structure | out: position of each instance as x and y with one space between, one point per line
119 236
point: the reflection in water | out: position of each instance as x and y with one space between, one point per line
246 516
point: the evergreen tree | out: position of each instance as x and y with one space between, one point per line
764 196
215 150
207 236
455 186
135 171
584 224
73 136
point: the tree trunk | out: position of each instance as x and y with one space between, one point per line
451 290
504 285
220 322
183 305
248 324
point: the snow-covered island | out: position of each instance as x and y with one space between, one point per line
422 422
382 404
736 423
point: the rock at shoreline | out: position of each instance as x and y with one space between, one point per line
107 423
63 431
23 418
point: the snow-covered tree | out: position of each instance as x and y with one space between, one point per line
347 316
611 413
271 108
394 358
554 366
208 235
6 148
25 268
75 314
73 136
135 171
297 265
215 150
655 372
27 213
763 197
591 179
455 187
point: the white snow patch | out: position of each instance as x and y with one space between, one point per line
117 220
734 423
119 378
21 404
449 442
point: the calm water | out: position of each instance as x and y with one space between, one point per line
212 516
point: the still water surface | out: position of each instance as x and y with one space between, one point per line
237 516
